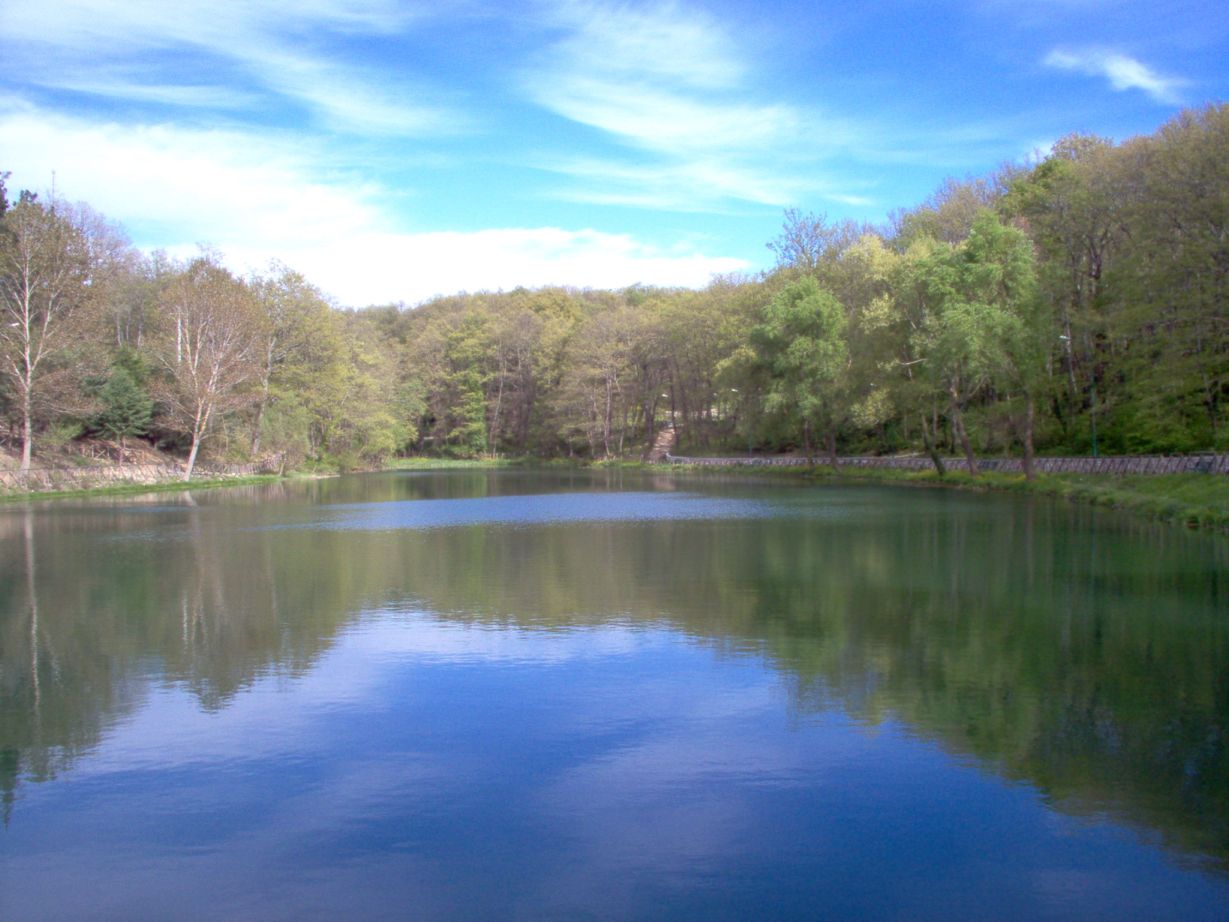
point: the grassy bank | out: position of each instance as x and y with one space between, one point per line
1193 500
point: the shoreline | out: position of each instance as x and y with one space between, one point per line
1196 501
136 489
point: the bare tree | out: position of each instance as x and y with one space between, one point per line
807 240
210 347
55 260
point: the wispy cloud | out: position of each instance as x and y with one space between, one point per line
1122 71
136 24
265 47
666 42
670 82
698 185
180 95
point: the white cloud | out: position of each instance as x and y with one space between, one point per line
259 197
1122 72
373 268
226 185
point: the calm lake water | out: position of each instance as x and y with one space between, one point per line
532 695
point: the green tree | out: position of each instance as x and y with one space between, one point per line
366 428
1172 285
1072 206
127 409
862 280
596 391
974 322
948 215
1000 276
801 343
295 313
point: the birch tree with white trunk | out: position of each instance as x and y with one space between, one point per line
210 348
55 260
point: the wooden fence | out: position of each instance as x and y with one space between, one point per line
1133 464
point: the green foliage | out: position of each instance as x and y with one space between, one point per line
800 342
1080 300
286 430
127 410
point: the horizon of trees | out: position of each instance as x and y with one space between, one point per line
1078 304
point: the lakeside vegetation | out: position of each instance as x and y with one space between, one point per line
1193 500
1073 305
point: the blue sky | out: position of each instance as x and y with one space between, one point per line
396 150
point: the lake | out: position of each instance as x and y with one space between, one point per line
543 695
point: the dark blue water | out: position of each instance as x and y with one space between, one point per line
475 696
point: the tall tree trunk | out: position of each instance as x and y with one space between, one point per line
961 433
935 458
607 420
27 431
1029 423
832 458
190 465
493 428
198 434
260 413
685 403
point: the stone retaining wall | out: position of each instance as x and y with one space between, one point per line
1133 464
47 479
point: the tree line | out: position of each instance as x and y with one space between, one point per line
1077 304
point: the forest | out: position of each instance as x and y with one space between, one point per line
1075 304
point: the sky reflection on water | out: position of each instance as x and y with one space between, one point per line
437 770
539 510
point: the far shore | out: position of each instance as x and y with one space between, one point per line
1193 500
